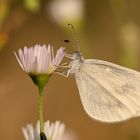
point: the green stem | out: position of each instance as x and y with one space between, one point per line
40 109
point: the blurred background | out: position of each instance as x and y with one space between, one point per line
106 29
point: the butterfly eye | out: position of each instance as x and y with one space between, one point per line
77 54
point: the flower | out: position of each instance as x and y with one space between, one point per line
53 131
39 62
39 59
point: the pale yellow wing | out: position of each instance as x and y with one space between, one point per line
109 92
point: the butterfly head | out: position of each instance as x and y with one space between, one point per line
77 56
75 63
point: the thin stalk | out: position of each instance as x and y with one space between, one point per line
40 109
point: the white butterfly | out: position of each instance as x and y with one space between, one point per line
109 92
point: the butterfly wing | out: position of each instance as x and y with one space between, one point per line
109 92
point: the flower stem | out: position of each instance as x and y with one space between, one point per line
40 109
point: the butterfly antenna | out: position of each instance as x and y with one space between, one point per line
75 38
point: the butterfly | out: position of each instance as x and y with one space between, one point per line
108 92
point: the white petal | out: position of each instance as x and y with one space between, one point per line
19 61
51 130
36 131
30 131
55 132
26 136
21 55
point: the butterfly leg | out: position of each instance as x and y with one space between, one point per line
68 56
62 66
66 63
67 74
61 73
